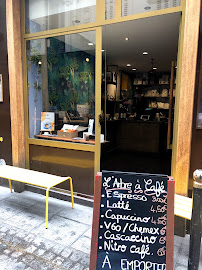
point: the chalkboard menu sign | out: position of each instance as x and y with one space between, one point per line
131 220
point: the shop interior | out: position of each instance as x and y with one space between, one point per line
138 94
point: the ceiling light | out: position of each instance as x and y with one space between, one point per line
103 50
90 44
145 53
134 69
154 67
126 38
176 67
128 65
147 8
87 59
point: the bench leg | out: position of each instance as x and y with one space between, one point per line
72 195
9 181
47 194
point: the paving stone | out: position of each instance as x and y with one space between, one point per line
21 234
30 249
2 247
83 244
178 241
76 256
176 255
7 251
26 220
88 233
43 243
57 249
3 257
3 229
23 245
30 238
180 267
23 199
67 264
80 213
183 260
16 254
8 238
53 207
9 210
66 252
28 258
58 233
58 260
20 266
41 265
39 252
16 241
77 266
12 231
85 260
2 235
49 255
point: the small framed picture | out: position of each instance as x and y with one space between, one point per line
1 88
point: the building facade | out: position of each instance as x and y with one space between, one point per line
57 57
5 128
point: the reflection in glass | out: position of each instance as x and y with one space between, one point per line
130 7
109 9
199 117
42 15
61 79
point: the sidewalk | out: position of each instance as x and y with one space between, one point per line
25 244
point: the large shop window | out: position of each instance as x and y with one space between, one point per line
130 7
42 15
61 86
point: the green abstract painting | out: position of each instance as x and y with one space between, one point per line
71 78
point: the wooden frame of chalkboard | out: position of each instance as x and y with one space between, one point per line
95 244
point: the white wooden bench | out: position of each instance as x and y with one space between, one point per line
34 178
183 206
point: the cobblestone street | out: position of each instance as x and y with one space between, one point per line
25 244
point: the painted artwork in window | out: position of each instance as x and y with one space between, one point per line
61 79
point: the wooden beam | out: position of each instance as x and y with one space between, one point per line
118 9
187 59
15 81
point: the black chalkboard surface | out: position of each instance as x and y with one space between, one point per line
132 222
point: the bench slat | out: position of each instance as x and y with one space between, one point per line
183 206
30 177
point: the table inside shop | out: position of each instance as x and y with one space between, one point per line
52 137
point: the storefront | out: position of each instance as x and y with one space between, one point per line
109 70
5 126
